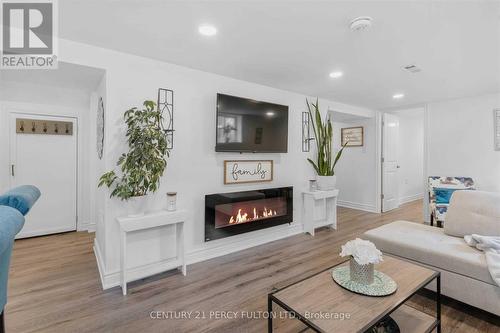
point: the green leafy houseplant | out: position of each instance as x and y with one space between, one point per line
323 135
143 165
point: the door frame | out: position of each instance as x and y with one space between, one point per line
12 112
378 159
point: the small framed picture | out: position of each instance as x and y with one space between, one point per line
352 135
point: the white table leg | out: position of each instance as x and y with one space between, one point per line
303 213
123 261
179 228
334 213
331 212
308 219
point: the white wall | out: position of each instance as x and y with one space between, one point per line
48 100
194 169
411 154
461 140
97 167
356 170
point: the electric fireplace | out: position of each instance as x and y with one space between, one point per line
228 214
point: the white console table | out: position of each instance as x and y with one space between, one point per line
149 221
320 209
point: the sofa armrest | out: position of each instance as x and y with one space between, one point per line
473 212
11 222
21 198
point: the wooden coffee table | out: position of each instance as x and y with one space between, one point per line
323 305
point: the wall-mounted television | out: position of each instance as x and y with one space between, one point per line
246 125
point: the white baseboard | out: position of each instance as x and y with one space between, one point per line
100 261
139 272
85 226
242 242
358 206
43 232
210 250
411 198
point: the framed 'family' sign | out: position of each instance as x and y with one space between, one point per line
248 171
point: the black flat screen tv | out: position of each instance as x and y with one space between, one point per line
246 125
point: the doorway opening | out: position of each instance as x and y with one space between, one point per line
356 170
48 119
402 157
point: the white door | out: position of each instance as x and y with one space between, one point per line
49 162
390 165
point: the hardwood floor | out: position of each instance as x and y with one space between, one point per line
54 285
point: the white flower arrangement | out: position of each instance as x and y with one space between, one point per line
363 251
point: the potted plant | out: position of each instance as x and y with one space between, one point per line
143 165
323 135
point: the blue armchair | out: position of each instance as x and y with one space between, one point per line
11 222
440 192
13 206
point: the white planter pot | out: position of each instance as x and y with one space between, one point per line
136 206
326 183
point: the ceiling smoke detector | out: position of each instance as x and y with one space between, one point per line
412 68
361 23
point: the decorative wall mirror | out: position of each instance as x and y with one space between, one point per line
100 128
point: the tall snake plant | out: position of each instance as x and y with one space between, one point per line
323 135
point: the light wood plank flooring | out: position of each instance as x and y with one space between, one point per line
54 284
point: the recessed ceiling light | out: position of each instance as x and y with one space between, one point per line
336 75
398 96
269 113
207 30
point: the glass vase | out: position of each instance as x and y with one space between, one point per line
171 201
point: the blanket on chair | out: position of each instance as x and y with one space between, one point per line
491 247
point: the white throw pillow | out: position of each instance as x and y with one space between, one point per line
473 212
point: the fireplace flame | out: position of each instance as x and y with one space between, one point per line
242 217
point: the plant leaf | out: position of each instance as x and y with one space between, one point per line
314 165
143 165
339 154
323 134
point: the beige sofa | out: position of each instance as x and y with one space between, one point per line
464 272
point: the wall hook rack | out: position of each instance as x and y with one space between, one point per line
46 127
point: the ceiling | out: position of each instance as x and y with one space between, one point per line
294 45
70 76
